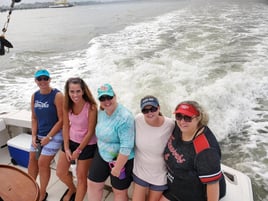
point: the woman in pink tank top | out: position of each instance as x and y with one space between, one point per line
79 121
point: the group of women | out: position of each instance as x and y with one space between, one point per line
166 160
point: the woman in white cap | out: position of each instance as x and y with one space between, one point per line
152 133
46 105
115 139
192 156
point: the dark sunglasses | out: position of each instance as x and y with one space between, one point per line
45 78
104 98
186 118
147 110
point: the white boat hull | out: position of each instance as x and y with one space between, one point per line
238 185
61 6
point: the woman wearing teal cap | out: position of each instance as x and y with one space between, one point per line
46 105
115 140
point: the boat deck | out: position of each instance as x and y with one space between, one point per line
19 122
55 187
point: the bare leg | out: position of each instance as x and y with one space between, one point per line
139 193
65 176
120 195
44 172
94 190
154 195
82 172
163 198
33 165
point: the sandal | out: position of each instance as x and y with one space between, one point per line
45 198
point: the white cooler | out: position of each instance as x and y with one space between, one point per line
19 148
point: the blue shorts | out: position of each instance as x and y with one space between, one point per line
51 148
153 187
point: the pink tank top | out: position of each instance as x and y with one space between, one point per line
79 126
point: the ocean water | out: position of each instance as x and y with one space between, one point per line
211 51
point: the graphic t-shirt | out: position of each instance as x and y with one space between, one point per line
188 171
45 111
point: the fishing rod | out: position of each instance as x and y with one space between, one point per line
4 42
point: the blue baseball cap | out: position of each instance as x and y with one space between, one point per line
105 89
41 72
149 100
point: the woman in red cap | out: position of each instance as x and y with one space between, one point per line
192 156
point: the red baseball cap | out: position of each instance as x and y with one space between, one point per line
187 109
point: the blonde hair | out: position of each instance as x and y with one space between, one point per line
203 115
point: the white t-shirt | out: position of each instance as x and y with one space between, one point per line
150 143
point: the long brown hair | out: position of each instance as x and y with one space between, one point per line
87 95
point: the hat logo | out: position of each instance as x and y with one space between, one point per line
148 99
185 107
104 88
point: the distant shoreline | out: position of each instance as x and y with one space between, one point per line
23 6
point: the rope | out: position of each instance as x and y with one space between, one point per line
4 42
4 30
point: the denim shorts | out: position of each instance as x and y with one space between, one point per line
153 187
51 148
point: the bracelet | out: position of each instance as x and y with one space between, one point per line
78 150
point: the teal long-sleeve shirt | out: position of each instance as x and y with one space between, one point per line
115 133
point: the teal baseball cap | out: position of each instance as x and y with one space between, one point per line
42 72
105 89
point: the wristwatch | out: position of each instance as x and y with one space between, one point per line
49 137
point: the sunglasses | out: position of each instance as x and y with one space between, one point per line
45 78
147 110
186 118
104 98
